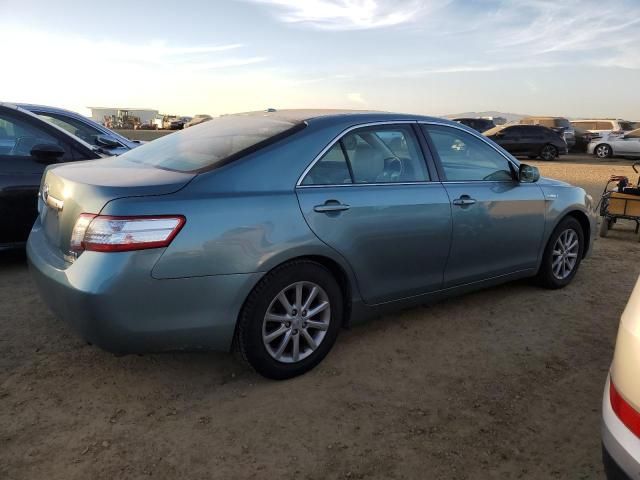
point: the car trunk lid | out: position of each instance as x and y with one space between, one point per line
86 187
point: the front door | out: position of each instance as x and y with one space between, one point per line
20 175
371 199
498 222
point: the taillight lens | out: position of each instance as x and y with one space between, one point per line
101 233
625 412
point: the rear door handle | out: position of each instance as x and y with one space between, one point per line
331 206
464 200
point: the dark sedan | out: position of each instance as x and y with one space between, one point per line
532 141
27 145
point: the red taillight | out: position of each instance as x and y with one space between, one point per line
101 233
625 412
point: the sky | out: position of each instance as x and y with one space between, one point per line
574 58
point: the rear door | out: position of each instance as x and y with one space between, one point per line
533 138
628 145
498 222
373 199
20 172
510 139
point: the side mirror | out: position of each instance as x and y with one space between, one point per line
528 173
47 153
105 141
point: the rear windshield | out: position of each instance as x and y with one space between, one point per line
626 126
211 143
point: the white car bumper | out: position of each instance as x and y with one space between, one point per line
619 442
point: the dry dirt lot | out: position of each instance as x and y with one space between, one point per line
501 384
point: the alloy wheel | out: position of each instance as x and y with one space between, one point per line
565 254
296 322
602 151
548 152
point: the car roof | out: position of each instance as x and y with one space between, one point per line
339 116
600 119
24 111
543 117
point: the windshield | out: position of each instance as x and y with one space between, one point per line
494 130
626 126
210 143
634 134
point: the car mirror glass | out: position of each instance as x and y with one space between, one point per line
528 173
105 141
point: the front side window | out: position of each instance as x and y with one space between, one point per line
74 127
18 137
464 157
382 154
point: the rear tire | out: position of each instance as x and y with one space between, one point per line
549 152
265 314
561 258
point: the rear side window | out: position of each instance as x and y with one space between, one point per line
604 126
585 125
380 154
331 169
212 143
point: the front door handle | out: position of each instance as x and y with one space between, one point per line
464 200
331 206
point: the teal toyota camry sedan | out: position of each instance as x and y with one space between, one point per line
267 232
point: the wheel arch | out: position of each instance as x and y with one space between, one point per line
605 144
583 219
337 270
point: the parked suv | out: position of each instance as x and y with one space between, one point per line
478 124
557 124
604 126
529 140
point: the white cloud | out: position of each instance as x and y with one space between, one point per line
356 98
581 31
349 14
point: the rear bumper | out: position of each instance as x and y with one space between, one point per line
112 301
621 448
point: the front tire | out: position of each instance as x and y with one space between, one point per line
603 151
562 255
290 320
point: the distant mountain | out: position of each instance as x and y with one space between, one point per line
511 117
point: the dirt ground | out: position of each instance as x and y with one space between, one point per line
504 383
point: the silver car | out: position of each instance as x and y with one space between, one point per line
624 145
621 400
